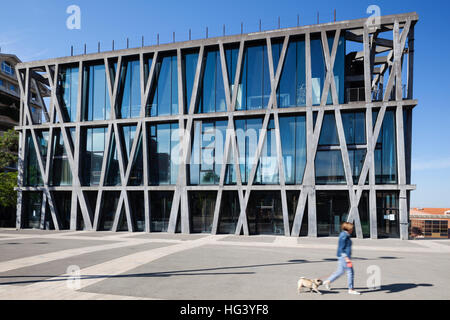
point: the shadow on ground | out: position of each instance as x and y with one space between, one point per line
391 288
191 272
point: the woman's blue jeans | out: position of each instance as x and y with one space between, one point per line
342 267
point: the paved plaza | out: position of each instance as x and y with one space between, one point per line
104 265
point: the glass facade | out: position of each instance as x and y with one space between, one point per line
319 69
109 208
163 151
201 208
332 209
386 150
96 102
63 202
94 149
68 92
229 212
61 171
189 63
388 220
267 171
254 86
32 174
130 90
264 213
354 124
160 206
328 163
293 143
247 136
292 88
156 137
32 202
137 207
212 92
163 98
207 152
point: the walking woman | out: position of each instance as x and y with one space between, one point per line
344 254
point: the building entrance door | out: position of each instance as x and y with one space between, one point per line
388 215
332 210
264 213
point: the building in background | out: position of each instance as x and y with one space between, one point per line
10 96
287 132
430 223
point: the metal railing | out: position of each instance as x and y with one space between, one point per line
359 94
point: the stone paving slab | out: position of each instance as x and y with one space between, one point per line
258 239
168 236
223 272
41 272
31 231
96 234
20 248
362 242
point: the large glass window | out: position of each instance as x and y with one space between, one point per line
160 206
293 143
63 202
329 168
190 59
163 98
130 90
201 209
61 173
163 153
318 69
247 135
108 210
229 212
328 163
386 150
267 171
354 124
68 92
231 56
96 100
207 152
136 199
255 79
94 150
32 172
7 68
112 177
332 210
292 202
31 214
364 213
292 88
264 213
212 92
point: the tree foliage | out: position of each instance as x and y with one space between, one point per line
8 196
9 144
8 180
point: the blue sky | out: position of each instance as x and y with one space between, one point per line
35 30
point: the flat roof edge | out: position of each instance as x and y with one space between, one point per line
347 24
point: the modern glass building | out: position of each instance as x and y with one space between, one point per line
283 132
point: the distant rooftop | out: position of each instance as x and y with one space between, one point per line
430 211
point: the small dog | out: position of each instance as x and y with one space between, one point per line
312 285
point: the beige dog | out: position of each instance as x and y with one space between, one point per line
312 285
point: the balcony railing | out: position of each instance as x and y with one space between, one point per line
359 94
